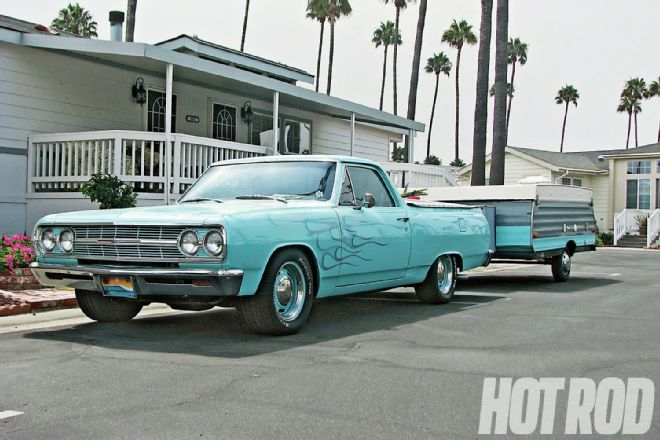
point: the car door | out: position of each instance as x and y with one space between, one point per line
375 240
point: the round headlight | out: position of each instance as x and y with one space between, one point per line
48 240
214 243
66 240
189 243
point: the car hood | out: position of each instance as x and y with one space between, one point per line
201 213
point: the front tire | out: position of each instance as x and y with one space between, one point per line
283 302
440 283
103 309
561 266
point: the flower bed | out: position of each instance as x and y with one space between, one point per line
16 254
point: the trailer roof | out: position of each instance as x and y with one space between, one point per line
510 192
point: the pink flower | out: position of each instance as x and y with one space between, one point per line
7 240
10 261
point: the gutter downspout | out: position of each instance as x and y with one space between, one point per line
558 179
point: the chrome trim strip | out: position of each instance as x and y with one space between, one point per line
128 270
183 259
125 241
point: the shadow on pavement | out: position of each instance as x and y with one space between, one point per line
545 284
220 332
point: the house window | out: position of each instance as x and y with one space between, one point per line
657 168
565 180
224 122
657 193
638 194
297 137
639 167
575 181
156 111
261 130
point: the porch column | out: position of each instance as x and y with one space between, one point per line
276 117
169 74
352 134
411 146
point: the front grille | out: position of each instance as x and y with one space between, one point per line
115 242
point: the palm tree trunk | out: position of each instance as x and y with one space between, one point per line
481 104
245 20
635 117
435 98
628 135
659 132
499 116
130 20
382 87
458 65
396 27
417 55
318 59
508 110
563 129
331 55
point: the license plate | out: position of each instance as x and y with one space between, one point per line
119 287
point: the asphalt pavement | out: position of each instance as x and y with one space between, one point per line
370 366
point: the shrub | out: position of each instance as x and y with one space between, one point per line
109 191
432 160
605 239
16 251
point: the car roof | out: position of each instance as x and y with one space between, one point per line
297 158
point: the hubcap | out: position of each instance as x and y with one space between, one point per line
565 263
445 275
289 291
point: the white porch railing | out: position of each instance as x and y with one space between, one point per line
63 162
625 222
653 227
419 176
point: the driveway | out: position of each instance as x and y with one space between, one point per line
372 366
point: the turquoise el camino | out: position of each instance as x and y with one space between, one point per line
266 235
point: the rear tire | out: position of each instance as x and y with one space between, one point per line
283 302
561 266
104 309
440 283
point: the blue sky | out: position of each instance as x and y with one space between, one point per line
593 44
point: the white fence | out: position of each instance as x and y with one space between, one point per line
653 227
625 222
63 162
419 176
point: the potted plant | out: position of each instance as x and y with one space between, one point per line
642 223
16 254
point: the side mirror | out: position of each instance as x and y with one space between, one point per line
369 200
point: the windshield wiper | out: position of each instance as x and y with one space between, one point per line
201 199
260 197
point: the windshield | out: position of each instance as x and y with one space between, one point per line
282 180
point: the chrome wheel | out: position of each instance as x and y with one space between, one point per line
445 275
289 291
566 263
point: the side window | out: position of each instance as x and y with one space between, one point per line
224 122
346 198
366 180
156 111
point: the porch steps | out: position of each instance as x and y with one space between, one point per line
632 241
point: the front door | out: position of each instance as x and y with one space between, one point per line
376 240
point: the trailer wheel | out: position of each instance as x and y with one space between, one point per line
561 266
440 283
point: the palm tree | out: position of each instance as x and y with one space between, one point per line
438 63
566 95
398 4
319 10
417 56
130 20
635 88
458 34
76 20
481 103
385 35
517 51
336 9
499 113
654 90
245 20
628 104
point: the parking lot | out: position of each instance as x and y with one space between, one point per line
372 366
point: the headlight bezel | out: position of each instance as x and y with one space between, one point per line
54 240
180 243
223 239
60 241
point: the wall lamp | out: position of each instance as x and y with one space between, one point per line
139 92
246 112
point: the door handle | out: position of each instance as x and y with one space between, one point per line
403 219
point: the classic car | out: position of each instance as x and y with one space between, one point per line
266 235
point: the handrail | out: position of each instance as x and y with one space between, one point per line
620 227
653 227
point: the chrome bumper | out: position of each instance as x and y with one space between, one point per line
146 281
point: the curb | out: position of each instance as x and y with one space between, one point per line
21 306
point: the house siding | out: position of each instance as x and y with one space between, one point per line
49 92
517 168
